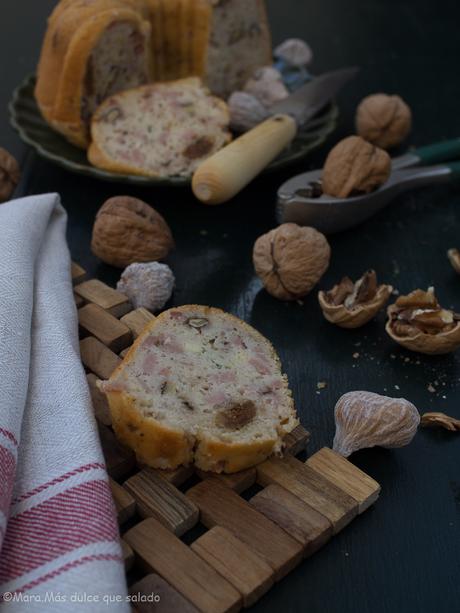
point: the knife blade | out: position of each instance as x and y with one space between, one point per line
228 171
309 99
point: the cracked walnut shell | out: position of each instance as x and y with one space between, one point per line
354 167
9 174
290 260
383 120
351 305
364 419
441 420
128 230
419 323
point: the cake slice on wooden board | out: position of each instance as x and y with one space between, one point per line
164 129
199 385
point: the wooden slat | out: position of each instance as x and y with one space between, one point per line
120 460
98 358
128 554
79 302
95 321
99 401
116 303
239 482
296 441
162 552
137 320
165 598
311 487
77 272
220 506
346 476
297 518
125 504
176 476
156 497
237 562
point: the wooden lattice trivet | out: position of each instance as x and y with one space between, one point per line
249 544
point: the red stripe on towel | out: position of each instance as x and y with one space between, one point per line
79 516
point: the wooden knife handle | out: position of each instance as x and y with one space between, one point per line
225 173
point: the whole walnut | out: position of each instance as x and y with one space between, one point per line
128 230
355 167
290 260
9 174
383 120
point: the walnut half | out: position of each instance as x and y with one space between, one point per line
419 323
351 305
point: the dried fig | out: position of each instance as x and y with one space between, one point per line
355 167
295 52
351 305
147 284
266 84
290 260
128 230
365 419
419 323
383 120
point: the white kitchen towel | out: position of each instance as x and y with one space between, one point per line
59 548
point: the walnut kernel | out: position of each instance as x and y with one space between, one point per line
364 419
442 420
355 167
383 120
290 260
419 323
128 230
454 259
351 305
9 174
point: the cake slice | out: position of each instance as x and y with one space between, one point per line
164 129
199 385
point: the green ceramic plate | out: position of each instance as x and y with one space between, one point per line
26 119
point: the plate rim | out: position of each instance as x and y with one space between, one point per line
173 181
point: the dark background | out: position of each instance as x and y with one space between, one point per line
403 555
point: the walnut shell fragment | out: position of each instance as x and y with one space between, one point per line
128 230
354 167
419 323
351 305
440 420
365 419
454 258
9 174
290 260
383 120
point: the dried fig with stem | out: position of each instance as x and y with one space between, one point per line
351 305
354 167
290 260
383 120
419 323
128 230
365 419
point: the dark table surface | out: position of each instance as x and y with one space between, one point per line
403 555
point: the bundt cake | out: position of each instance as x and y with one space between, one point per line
96 48
199 385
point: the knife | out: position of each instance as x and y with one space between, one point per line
225 173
